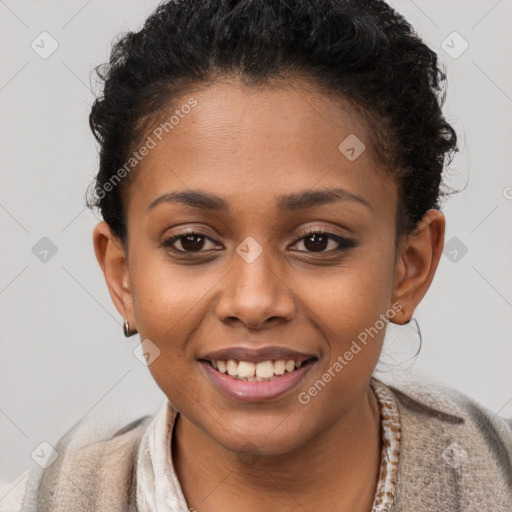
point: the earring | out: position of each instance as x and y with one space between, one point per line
417 328
126 329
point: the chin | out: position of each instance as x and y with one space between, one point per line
262 437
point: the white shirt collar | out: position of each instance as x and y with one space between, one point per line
158 489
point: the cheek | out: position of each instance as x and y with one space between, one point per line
166 297
348 298
350 305
350 318
169 306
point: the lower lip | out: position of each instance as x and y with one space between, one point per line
256 391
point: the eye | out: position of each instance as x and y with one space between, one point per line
190 242
314 241
317 240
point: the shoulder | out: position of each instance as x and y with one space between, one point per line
425 396
454 451
96 442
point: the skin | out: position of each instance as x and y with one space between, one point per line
249 146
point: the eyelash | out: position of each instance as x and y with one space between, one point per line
344 243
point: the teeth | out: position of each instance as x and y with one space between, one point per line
264 370
279 367
232 367
290 366
246 369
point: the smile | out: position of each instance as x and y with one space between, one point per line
254 382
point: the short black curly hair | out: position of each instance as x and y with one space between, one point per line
363 51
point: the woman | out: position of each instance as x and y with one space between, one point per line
270 178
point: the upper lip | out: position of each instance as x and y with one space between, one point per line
257 355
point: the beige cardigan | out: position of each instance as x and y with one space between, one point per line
456 456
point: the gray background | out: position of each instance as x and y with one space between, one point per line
63 354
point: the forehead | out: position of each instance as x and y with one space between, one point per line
252 145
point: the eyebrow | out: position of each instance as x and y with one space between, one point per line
285 203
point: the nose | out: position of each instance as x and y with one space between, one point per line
255 295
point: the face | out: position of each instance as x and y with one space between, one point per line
287 243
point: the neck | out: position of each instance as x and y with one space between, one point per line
338 468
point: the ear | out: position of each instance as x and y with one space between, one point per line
417 260
114 264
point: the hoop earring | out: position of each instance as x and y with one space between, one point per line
126 329
418 330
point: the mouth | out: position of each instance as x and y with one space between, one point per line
256 381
